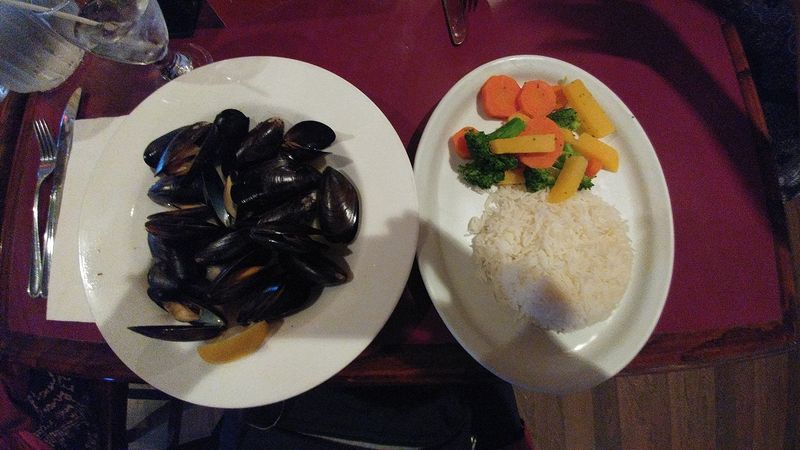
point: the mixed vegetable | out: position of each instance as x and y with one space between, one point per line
549 139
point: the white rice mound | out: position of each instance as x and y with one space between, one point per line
563 265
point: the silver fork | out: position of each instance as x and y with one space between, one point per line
469 5
47 162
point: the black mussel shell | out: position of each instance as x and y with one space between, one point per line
278 300
180 153
275 184
230 246
176 191
309 134
156 148
236 285
214 194
287 237
298 209
316 268
232 124
179 333
183 225
163 283
338 207
262 142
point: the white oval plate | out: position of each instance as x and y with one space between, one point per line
309 347
511 347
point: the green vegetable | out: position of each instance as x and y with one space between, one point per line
480 176
538 179
509 129
487 169
565 118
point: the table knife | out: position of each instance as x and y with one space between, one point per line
63 149
456 22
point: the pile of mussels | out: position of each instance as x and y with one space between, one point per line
257 229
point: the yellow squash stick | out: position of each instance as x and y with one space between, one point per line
590 147
569 179
593 119
529 143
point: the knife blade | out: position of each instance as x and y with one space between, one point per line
63 149
456 23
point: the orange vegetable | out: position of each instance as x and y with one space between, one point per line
459 143
498 96
536 98
542 125
593 167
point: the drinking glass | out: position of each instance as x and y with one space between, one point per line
34 57
131 32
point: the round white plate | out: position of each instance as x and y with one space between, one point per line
309 347
509 346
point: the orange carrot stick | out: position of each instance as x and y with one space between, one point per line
498 96
593 167
459 143
536 98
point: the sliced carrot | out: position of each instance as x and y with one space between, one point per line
593 167
498 96
536 98
561 99
539 160
542 125
459 143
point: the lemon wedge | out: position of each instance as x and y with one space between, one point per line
234 343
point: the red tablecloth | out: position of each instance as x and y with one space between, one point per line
667 60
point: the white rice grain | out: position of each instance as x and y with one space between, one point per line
564 265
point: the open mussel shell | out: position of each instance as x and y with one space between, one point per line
262 142
270 184
316 268
203 323
180 153
278 300
229 247
309 134
300 209
178 333
287 237
176 191
180 225
307 140
155 149
339 207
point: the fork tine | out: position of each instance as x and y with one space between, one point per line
45 138
49 139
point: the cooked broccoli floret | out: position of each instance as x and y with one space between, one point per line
566 118
486 168
538 179
478 175
478 144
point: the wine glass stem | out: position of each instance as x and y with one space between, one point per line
174 65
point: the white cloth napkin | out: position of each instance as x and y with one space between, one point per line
66 299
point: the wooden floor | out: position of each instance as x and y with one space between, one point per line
753 403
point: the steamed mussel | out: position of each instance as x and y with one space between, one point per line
258 224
